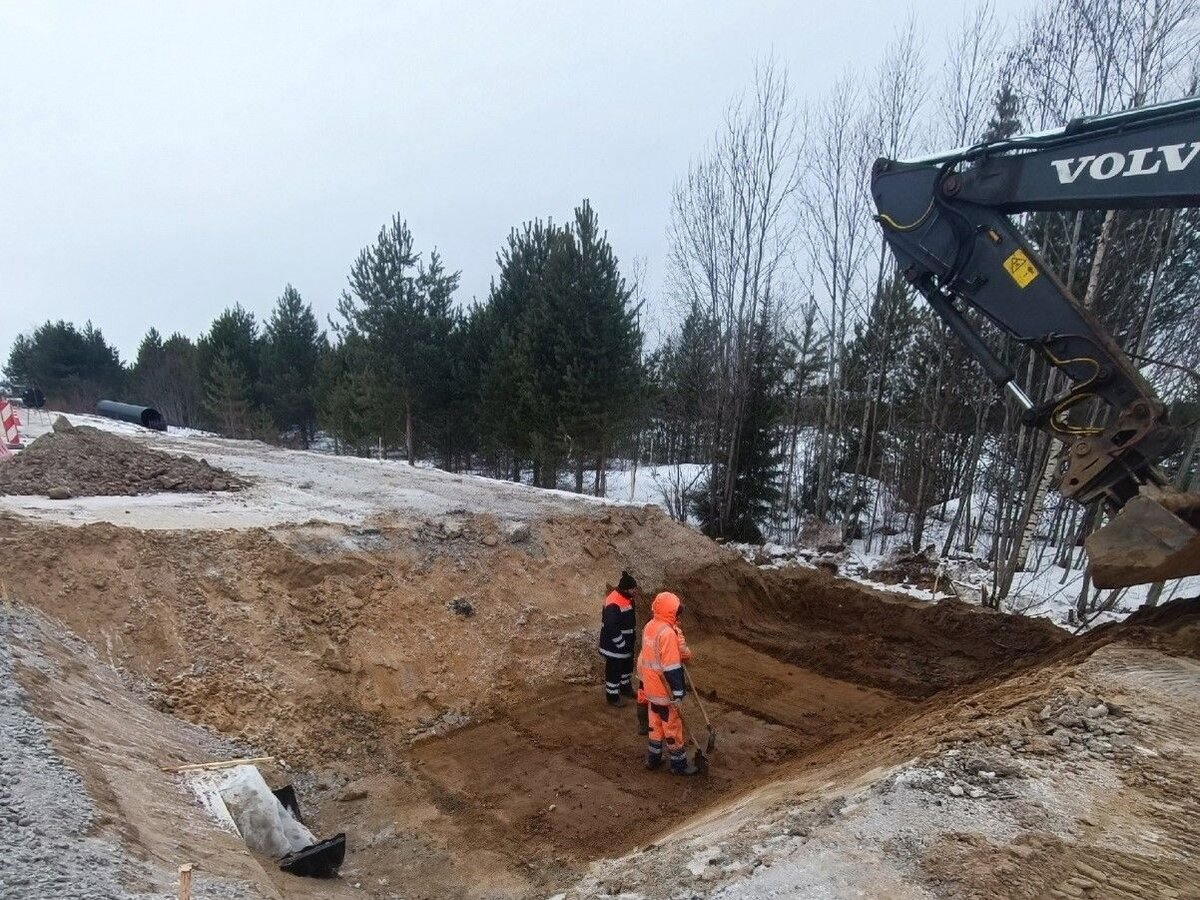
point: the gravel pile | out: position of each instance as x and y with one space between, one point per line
52 842
45 812
1084 725
966 773
82 461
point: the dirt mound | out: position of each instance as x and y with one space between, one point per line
1173 628
918 569
87 462
809 618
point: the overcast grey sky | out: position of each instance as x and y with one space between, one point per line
160 161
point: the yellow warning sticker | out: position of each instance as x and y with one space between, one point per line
1020 268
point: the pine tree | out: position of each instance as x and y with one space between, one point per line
599 347
439 395
341 398
165 376
508 409
234 334
401 311
521 382
149 376
563 377
73 367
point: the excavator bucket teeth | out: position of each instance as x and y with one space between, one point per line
1148 540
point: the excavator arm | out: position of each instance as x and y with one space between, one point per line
945 218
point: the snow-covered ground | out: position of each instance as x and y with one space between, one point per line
1042 588
290 486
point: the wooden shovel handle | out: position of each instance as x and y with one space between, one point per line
696 694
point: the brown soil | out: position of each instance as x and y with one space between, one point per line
918 569
1173 627
472 756
809 618
1074 823
81 461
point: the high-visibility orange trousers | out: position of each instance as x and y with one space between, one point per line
666 732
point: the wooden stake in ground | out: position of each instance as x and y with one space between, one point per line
220 764
185 882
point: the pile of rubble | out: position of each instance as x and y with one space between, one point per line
1082 725
965 772
83 461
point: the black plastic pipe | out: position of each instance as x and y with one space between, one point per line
146 416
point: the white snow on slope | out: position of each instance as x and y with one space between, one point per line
291 486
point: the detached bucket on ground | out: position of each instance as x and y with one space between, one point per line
240 800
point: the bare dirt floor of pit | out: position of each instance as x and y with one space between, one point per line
469 755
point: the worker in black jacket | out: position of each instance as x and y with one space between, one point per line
617 627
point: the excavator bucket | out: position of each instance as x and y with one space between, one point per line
1152 538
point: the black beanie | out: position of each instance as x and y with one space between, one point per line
627 583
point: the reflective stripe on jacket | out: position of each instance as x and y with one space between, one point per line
664 651
616 627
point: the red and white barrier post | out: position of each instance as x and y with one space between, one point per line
11 424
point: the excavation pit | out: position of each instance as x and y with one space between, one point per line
474 756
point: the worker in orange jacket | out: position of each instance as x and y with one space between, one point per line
660 669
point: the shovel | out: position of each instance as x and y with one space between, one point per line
711 745
699 760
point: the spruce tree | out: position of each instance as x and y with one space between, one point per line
751 472
234 334
149 370
687 369
227 396
1006 117
293 346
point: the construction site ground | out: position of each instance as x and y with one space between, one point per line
417 651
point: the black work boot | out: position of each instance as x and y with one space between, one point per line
627 691
681 766
614 700
654 756
643 714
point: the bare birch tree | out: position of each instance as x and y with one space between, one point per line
834 208
970 74
732 231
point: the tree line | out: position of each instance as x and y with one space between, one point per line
545 376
